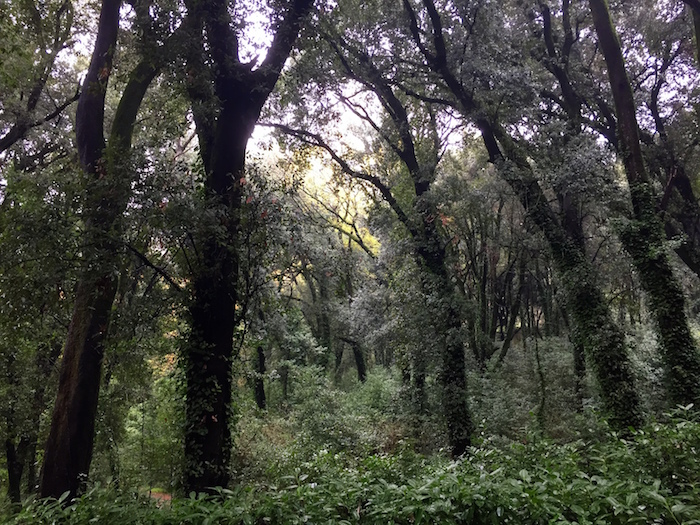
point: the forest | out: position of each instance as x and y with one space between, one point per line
342 261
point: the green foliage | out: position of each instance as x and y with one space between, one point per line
321 424
151 452
342 422
651 478
507 397
329 449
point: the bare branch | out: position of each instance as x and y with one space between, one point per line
158 270
316 140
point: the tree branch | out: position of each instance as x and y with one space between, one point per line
314 139
158 270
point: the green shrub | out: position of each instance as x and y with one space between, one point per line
653 477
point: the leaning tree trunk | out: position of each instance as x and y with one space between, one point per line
593 327
445 314
68 450
595 330
644 237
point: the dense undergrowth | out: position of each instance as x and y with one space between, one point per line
652 476
332 452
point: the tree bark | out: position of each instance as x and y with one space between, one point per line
259 379
644 237
68 450
595 330
225 114
360 362
514 310
16 460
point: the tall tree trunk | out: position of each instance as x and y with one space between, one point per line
209 374
68 450
595 330
644 237
16 442
16 460
324 322
46 358
11 432
31 479
359 355
237 93
418 373
259 379
360 362
446 317
579 374
514 310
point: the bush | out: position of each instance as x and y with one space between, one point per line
653 477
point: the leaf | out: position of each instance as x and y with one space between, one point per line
682 508
613 502
656 496
64 496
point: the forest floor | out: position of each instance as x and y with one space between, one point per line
652 477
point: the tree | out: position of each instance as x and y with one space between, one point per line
68 451
227 96
594 328
660 56
31 95
408 130
332 269
643 237
484 222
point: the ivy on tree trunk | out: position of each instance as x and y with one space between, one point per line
594 330
227 96
643 237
